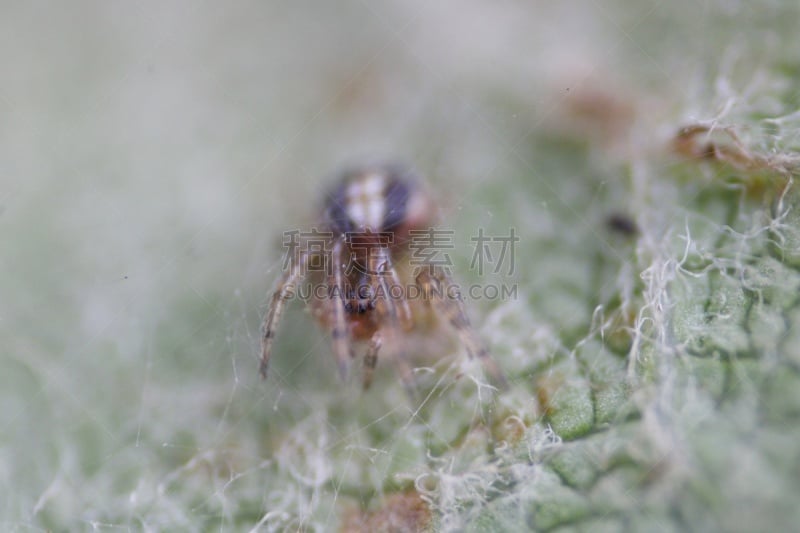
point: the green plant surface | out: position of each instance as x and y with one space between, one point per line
152 155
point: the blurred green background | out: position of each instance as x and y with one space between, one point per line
151 155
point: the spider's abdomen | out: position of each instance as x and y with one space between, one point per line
379 199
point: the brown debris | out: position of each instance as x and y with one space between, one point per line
399 513
759 173
546 388
691 143
604 111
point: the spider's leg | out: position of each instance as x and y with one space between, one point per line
379 269
435 286
390 320
336 295
403 310
284 291
371 359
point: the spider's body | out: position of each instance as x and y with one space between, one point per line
373 210
378 200
360 263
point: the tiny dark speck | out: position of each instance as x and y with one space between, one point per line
622 224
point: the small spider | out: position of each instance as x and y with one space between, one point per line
363 287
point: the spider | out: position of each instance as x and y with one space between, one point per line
364 289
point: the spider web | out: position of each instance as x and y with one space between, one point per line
133 287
